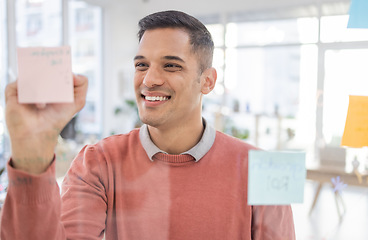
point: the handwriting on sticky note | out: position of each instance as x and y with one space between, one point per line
276 178
356 125
358 17
45 75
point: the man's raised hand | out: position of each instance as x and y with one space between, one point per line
34 128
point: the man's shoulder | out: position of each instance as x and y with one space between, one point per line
118 145
133 134
120 141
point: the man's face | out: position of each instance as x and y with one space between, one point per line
167 79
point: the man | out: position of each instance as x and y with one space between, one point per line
174 178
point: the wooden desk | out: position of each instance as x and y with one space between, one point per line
324 174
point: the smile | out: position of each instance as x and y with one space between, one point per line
156 98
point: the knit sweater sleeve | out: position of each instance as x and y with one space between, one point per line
84 200
272 223
34 208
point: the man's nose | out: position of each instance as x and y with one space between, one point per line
153 78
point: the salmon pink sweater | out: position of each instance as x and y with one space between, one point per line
114 189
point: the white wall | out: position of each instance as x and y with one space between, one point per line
120 45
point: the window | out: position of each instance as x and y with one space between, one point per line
275 71
217 32
85 31
265 80
344 54
299 30
38 23
334 29
42 23
346 74
269 81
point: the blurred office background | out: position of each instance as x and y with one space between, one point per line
285 71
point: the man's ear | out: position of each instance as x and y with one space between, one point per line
208 80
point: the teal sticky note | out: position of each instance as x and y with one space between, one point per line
358 14
276 178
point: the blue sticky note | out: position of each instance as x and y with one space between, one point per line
276 178
358 14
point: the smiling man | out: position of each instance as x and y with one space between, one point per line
169 84
174 178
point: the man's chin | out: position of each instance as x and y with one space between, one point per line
151 122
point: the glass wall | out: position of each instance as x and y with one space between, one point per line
85 31
269 81
4 153
3 81
334 29
275 32
52 23
345 72
38 23
284 83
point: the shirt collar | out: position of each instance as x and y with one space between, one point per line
198 151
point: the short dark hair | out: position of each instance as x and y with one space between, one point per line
200 37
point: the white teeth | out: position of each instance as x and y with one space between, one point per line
153 98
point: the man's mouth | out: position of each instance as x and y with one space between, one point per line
156 98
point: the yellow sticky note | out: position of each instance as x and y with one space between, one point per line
356 126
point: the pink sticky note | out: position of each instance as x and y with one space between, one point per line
45 75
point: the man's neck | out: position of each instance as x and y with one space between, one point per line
177 139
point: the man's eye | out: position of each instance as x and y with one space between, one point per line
173 67
141 66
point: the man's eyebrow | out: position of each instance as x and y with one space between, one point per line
169 57
139 57
173 58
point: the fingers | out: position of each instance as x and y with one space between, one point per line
40 105
79 80
11 91
80 90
